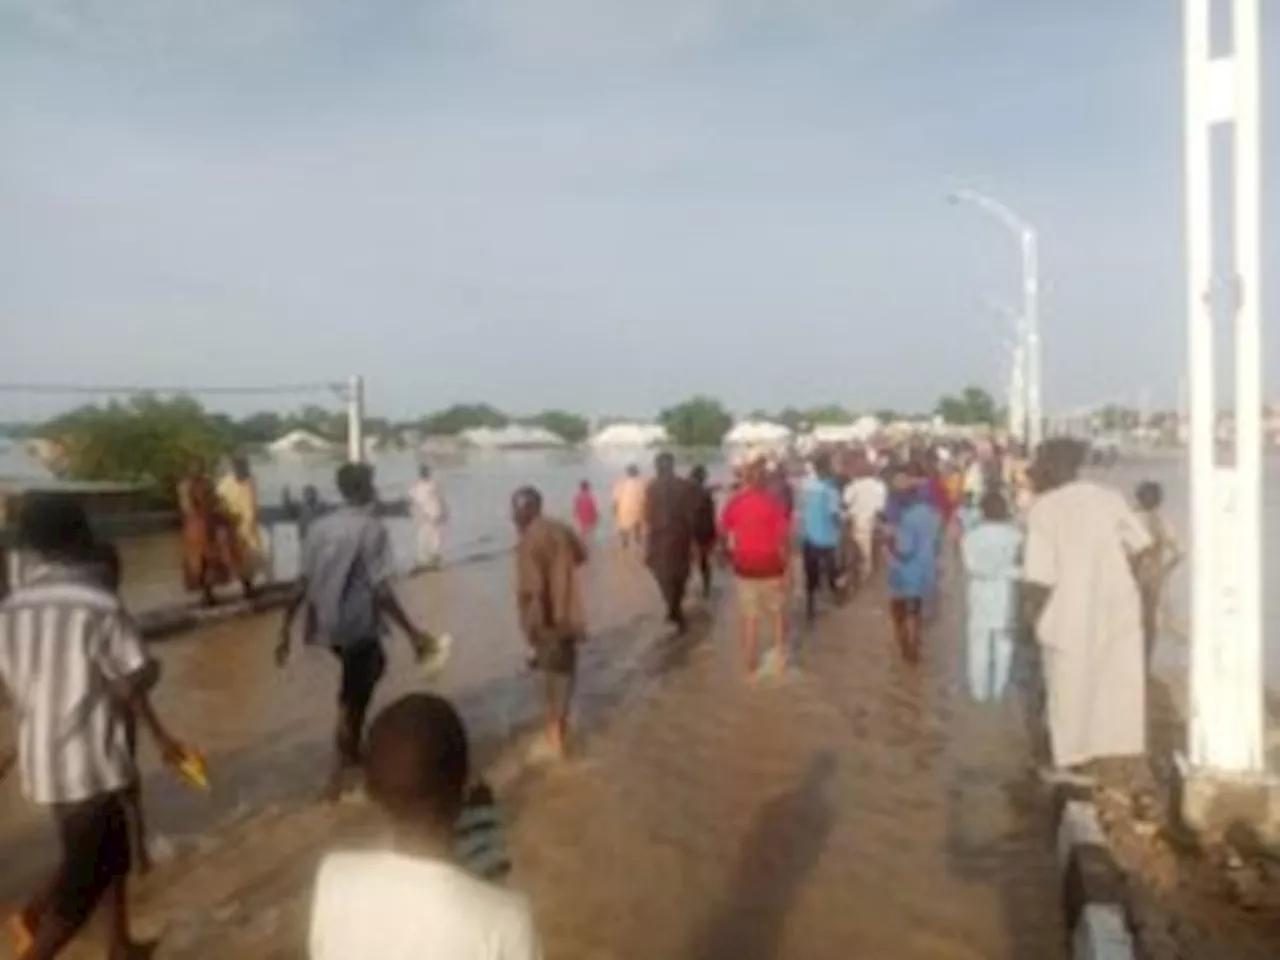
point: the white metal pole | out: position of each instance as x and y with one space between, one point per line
1247 302
1200 372
1018 392
1031 317
355 419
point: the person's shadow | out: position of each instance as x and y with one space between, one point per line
780 850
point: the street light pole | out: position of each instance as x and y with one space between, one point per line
1031 324
1028 242
1016 350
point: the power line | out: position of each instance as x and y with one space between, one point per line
48 389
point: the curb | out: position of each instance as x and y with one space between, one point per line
1098 922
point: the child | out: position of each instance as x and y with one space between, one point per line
74 664
1153 567
991 558
412 898
586 512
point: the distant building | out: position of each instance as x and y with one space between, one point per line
758 435
629 436
299 442
514 436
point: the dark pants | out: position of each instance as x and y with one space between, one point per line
673 583
820 564
94 835
363 665
704 550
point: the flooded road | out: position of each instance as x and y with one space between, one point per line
267 732
859 808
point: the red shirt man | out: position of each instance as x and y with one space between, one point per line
757 529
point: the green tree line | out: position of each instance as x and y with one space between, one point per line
152 440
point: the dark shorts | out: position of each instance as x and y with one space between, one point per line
94 835
900 608
558 655
362 667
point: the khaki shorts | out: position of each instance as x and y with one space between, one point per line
761 597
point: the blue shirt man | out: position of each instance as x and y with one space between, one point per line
820 512
820 529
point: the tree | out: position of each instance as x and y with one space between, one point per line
697 422
261 428
145 440
791 418
973 406
463 416
570 427
831 413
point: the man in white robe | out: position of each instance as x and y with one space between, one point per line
431 514
1084 603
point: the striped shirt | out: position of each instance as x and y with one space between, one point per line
63 641
478 837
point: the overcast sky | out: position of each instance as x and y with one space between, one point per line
597 204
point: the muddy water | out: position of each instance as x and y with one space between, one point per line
267 731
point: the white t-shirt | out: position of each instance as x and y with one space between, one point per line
863 499
385 905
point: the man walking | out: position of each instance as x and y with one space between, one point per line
820 526
549 602
74 665
628 509
431 514
864 500
346 585
669 521
757 535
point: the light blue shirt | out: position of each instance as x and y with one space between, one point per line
913 567
820 513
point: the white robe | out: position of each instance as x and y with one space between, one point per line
431 513
1079 538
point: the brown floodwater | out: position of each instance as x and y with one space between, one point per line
267 731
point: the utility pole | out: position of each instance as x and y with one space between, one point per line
355 419
1225 741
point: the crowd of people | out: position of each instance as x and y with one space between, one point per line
1045 554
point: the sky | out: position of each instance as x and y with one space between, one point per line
604 205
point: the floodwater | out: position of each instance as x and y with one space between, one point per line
477 486
267 732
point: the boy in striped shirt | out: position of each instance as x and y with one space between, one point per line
73 663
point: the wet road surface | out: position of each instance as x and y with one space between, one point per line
267 732
861 809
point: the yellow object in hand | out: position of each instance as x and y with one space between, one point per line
192 770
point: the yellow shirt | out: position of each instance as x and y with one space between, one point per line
628 503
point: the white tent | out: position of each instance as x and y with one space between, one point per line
299 441
511 437
757 433
629 436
